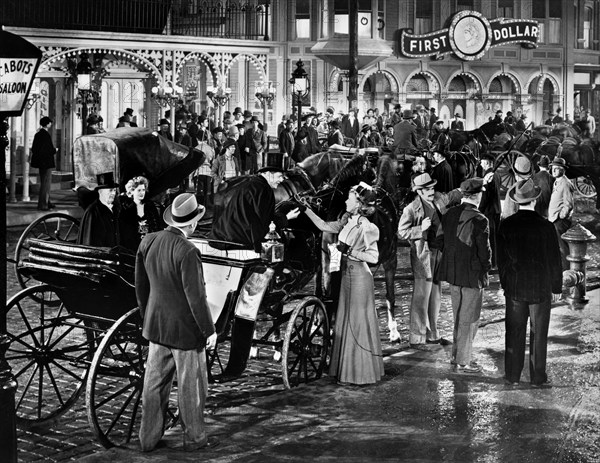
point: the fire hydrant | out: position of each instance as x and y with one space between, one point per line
578 238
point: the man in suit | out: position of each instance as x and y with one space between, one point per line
442 173
560 209
530 272
520 126
255 145
405 135
545 181
42 158
457 123
490 200
100 221
177 322
350 125
465 262
287 142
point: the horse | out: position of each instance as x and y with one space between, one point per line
329 203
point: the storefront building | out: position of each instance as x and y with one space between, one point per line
158 55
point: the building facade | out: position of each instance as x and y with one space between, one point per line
140 51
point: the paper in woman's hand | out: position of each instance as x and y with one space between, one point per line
335 258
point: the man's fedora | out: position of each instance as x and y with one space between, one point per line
559 162
422 181
184 211
106 180
472 186
524 191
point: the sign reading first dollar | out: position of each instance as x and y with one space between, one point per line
19 61
470 36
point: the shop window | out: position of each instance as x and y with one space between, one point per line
423 16
506 8
303 19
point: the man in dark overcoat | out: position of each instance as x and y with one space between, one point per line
249 211
42 158
255 145
442 173
177 322
100 222
490 205
465 262
530 271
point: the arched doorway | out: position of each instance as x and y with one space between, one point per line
378 93
418 91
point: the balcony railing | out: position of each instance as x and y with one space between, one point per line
246 19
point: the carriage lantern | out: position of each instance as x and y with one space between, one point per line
272 248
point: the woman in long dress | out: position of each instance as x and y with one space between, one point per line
139 217
356 356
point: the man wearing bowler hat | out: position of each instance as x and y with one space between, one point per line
560 209
100 222
530 272
169 286
465 263
244 222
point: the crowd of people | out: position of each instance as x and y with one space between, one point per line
456 234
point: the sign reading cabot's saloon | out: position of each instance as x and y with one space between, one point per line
470 36
19 61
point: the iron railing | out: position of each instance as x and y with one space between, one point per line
246 19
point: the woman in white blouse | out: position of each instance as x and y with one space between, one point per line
356 356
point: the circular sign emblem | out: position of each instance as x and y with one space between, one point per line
470 35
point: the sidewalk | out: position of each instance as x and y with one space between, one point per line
422 410
21 214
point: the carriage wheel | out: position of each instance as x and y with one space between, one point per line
49 352
55 226
506 172
306 343
585 187
115 382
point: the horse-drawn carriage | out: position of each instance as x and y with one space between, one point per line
80 328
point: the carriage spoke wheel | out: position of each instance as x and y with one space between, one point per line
49 353
115 382
306 343
506 172
585 187
55 226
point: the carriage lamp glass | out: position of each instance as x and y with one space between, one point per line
272 248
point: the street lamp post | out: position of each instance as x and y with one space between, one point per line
220 97
265 93
167 95
300 85
87 95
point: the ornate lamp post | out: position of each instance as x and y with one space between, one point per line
265 93
88 96
300 85
167 95
220 97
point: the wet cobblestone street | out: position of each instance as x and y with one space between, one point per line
71 438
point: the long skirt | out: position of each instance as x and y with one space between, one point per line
356 356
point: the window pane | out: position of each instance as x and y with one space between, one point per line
364 5
424 9
341 24
302 7
553 31
341 6
555 10
538 9
464 5
364 24
505 3
303 28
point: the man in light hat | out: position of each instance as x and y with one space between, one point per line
250 209
465 263
530 272
100 222
420 226
169 285
560 209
